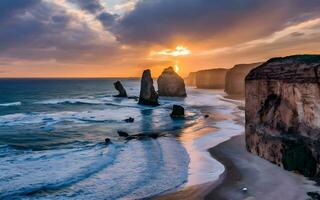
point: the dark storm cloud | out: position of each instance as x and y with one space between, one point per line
107 19
158 21
92 6
11 7
41 30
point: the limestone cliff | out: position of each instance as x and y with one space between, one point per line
191 79
283 112
235 78
171 84
211 79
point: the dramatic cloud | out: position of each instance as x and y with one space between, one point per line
92 6
165 21
44 30
122 37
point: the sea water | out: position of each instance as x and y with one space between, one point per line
52 135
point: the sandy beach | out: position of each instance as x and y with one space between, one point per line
262 179
246 176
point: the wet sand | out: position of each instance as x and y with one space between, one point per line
263 179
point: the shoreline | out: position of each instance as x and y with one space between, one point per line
205 171
262 179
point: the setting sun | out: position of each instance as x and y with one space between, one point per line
178 51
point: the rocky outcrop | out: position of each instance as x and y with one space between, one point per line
211 79
283 113
171 84
191 79
148 95
177 112
235 78
122 92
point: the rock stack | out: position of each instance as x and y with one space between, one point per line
148 95
283 112
171 84
122 92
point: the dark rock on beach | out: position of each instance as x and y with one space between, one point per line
283 113
122 92
107 141
123 134
177 111
171 84
129 120
148 95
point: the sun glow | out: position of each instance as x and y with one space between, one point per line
178 51
176 68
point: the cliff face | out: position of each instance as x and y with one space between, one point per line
283 112
235 78
191 79
171 84
211 79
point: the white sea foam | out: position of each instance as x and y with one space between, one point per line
203 168
70 101
18 103
68 116
137 169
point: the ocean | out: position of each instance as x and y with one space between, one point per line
52 134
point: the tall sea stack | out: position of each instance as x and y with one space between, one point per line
118 86
283 112
148 95
171 84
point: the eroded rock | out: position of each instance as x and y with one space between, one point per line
122 92
177 111
283 112
171 84
148 95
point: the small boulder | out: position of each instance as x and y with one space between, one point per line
107 141
177 111
171 84
122 92
148 95
123 134
129 120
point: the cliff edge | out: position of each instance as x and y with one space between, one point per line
283 113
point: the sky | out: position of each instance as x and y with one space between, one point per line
121 38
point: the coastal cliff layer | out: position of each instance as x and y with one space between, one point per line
283 113
235 78
211 79
191 79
